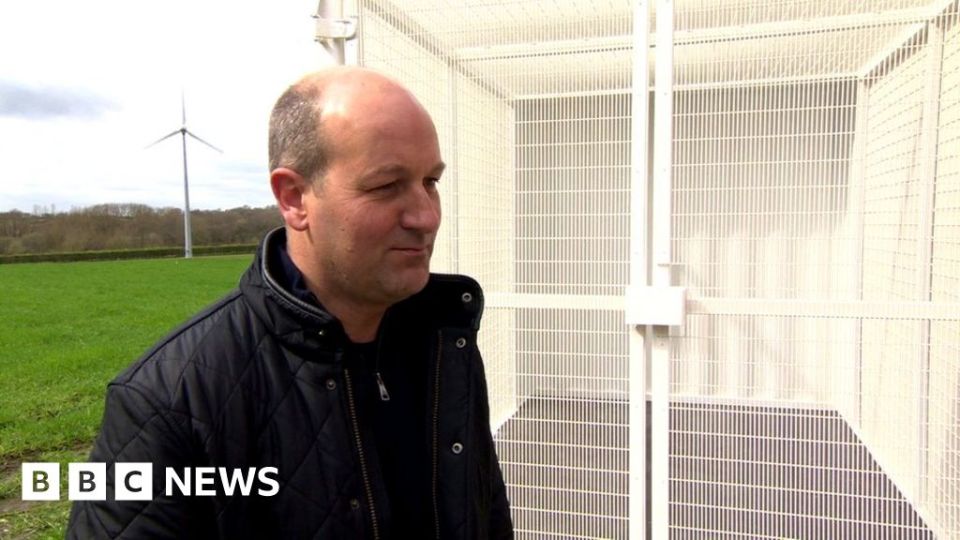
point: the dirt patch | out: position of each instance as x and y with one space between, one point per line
13 463
10 473
12 506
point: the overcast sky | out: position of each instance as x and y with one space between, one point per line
86 85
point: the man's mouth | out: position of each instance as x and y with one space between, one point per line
412 250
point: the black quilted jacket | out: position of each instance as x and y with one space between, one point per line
257 380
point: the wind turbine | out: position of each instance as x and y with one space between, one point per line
183 131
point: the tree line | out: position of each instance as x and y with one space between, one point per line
130 226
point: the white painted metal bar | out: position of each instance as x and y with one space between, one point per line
814 25
858 193
333 29
451 172
597 302
639 349
681 87
765 82
928 175
724 35
832 309
661 271
613 91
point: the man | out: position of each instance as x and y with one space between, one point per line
340 360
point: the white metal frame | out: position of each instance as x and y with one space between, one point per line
639 272
651 343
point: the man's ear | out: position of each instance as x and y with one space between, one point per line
289 189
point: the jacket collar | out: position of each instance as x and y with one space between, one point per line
446 301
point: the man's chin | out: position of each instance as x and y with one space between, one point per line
409 283
416 283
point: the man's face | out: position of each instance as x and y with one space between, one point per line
375 215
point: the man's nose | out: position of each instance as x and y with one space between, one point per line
421 210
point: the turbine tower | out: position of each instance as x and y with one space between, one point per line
183 131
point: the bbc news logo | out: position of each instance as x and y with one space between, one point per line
134 481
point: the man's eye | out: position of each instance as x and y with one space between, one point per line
432 182
385 187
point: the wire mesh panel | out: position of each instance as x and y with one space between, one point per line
476 129
906 365
535 130
808 180
893 351
760 186
943 472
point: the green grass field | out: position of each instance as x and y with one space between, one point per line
66 329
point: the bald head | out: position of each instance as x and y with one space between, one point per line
320 109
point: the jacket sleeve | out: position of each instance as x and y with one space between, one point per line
136 430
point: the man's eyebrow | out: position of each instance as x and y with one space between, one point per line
389 169
398 169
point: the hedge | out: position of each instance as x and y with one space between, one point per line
118 254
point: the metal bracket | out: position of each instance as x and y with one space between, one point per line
335 28
656 306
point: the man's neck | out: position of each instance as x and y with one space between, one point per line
360 324
360 321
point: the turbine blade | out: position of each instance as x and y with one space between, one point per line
165 137
183 108
190 133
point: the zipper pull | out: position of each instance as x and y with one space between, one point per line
384 395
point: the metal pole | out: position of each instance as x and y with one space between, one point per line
639 350
929 145
661 272
329 29
187 240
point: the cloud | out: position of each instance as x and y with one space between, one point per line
23 101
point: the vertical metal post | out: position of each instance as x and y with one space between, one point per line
187 234
928 174
639 274
453 170
661 270
858 205
333 29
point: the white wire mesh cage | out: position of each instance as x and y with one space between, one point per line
815 385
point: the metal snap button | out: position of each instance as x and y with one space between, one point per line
461 343
321 332
456 448
466 297
331 384
354 504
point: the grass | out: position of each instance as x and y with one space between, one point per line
66 329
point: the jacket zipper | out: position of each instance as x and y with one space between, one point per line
436 428
384 395
363 463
